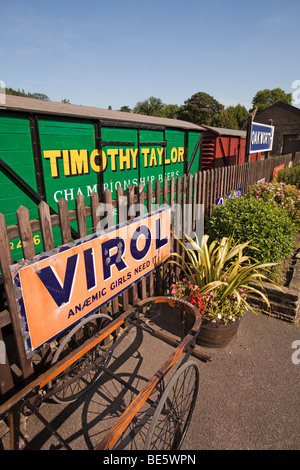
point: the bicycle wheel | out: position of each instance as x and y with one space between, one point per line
74 381
174 411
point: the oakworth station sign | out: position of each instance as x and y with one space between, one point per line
56 289
262 136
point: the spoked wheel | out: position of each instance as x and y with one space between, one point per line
174 411
74 381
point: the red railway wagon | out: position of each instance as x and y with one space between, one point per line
224 147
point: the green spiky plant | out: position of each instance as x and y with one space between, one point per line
218 277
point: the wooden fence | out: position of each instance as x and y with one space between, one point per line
201 188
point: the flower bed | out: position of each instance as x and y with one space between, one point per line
211 307
216 279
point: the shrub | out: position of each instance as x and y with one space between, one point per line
262 222
282 195
217 278
290 176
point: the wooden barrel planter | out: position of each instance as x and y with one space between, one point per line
214 335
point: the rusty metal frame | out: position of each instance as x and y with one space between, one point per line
30 397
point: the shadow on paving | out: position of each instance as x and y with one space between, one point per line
248 396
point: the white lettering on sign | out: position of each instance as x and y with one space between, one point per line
261 138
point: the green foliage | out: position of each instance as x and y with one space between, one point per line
262 222
201 108
290 176
11 91
125 109
225 119
240 112
231 118
150 107
217 277
37 96
170 111
265 98
153 107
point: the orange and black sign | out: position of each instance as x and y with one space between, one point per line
58 288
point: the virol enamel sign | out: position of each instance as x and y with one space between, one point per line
56 289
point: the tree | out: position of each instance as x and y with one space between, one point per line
11 91
37 96
226 118
240 113
150 107
125 109
65 100
265 98
201 108
170 111
231 117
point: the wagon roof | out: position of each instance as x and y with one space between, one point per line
223 131
18 103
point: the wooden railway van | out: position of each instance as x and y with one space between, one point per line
51 150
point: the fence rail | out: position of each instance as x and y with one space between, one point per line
201 188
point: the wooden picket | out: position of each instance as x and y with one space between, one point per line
202 188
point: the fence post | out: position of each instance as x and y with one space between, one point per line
141 201
149 208
108 202
25 232
172 200
94 198
122 217
158 270
81 217
46 227
64 221
130 198
177 246
183 211
207 191
248 138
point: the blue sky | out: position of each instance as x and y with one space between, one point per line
115 53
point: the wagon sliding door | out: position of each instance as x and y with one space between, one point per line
17 153
69 162
175 153
120 158
194 163
152 147
183 155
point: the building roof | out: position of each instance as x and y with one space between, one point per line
224 131
279 104
19 103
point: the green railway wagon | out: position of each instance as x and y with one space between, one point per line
50 150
